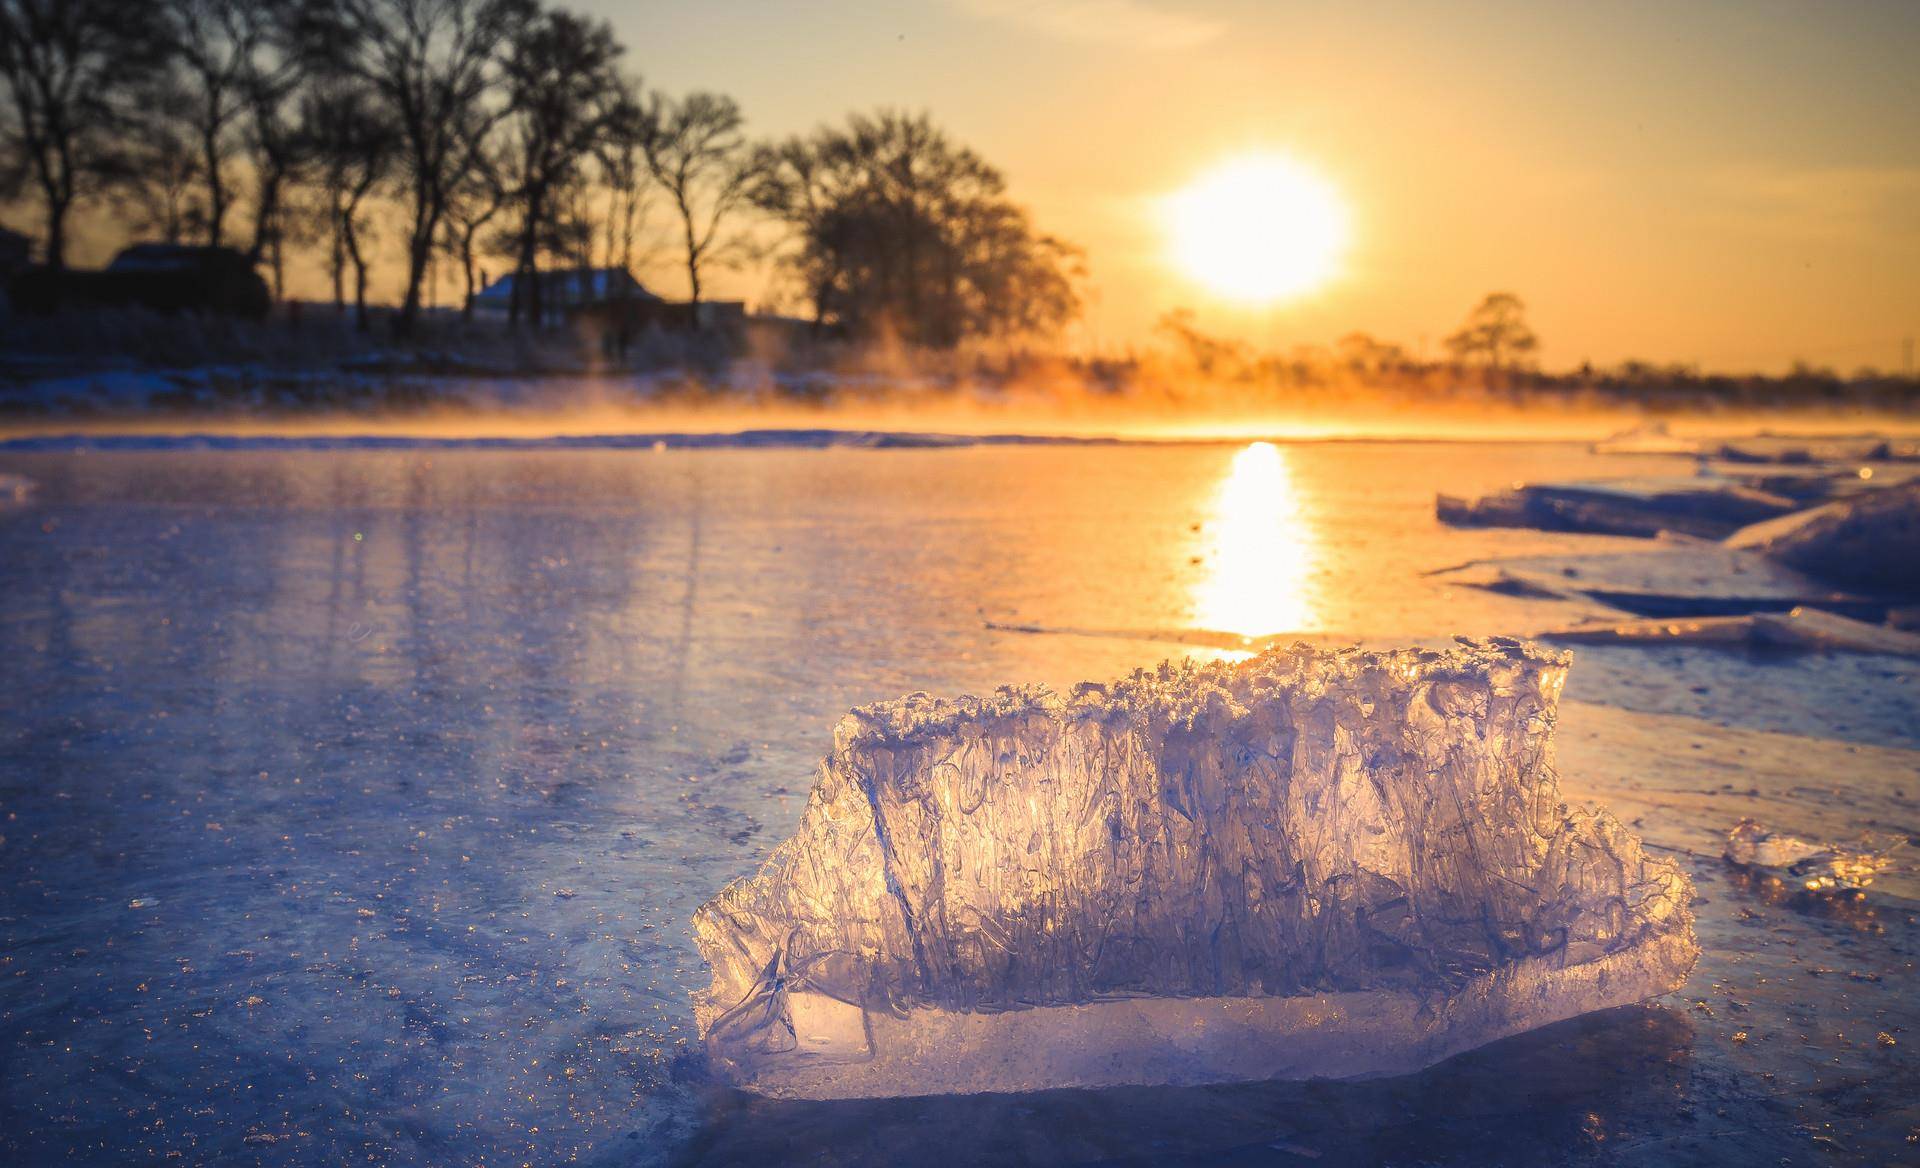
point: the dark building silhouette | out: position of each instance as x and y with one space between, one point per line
163 277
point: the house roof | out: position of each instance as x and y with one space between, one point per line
175 257
569 286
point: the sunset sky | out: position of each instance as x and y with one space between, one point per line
1736 184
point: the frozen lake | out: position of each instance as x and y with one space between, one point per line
353 804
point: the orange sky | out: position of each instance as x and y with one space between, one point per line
1736 184
1730 184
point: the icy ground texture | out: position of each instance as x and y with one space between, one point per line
1307 864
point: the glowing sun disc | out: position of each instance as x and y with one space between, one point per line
1258 229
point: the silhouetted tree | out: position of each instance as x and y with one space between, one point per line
703 162
626 176
211 47
475 200
69 68
354 145
1363 353
279 65
562 91
1210 356
1496 332
276 152
898 228
628 182
158 193
436 65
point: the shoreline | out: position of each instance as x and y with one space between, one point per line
117 439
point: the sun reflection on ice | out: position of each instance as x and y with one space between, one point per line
1258 551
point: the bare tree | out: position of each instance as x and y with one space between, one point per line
1365 354
436 65
629 186
158 193
213 45
69 67
702 160
626 177
354 144
475 200
1496 331
562 89
276 150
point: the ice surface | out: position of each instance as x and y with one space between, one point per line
1309 864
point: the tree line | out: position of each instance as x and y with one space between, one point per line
491 128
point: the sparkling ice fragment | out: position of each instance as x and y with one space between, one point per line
1308 864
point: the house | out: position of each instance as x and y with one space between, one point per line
611 304
566 290
164 277
16 252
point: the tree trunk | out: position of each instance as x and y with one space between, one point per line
57 233
693 259
466 266
338 260
526 281
359 276
417 248
216 188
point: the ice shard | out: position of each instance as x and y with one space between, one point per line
1309 864
1706 508
1804 866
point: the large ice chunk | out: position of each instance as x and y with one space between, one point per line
1869 542
1307 864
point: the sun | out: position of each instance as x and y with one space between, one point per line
1258 229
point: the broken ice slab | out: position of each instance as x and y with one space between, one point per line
1646 438
1780 450
1804 629
1810 486
1309 864
1869 542
1802 865
1673 577
1706 507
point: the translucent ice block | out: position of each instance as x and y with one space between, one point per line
1309 864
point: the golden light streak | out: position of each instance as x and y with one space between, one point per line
1259 553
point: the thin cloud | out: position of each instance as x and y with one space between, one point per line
1128 23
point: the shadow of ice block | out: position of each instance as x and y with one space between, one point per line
1307 865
